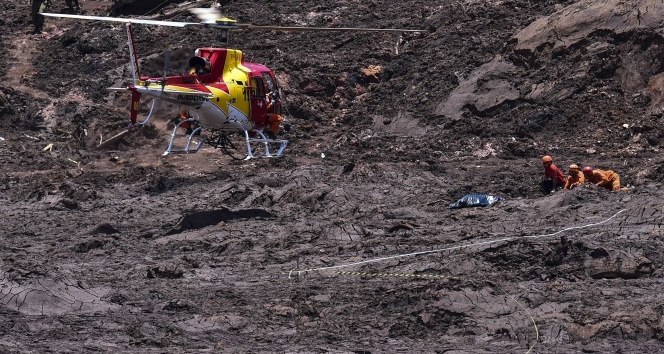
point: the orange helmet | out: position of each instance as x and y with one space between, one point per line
547 158
587 170
574 167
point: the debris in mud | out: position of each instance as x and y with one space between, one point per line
403 226
170 271
474 200
89 245
107 229
69 203
200 219
114 140
174 305
611 264
348 168
59 203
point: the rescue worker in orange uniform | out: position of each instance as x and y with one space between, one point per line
273 118
556 177
574 178
184 115
607 179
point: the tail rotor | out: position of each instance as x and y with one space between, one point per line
156 101
135 101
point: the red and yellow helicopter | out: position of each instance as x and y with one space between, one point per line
224 95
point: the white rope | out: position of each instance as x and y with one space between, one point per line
156 7
375 260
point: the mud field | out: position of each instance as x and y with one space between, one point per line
346 244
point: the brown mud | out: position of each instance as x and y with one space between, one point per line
346 244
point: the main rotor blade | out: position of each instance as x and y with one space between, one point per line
321 29
126 20
205 14
229 24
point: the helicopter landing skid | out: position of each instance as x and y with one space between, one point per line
244 145
230 142
261 145
187 149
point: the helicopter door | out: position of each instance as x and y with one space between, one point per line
258 101
272 91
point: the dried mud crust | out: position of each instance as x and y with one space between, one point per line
123 250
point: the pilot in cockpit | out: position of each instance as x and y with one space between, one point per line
199 66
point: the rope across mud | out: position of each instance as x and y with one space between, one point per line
648 218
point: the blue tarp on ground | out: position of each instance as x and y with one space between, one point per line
474 200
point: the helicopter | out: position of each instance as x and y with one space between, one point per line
231 104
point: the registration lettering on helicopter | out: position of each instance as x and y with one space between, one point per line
193 98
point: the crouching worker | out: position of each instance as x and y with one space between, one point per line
184 115
556 179
607 179
574 177
275 121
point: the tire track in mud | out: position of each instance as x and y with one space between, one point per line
22 52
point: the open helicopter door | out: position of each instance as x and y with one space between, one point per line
258 101
258 145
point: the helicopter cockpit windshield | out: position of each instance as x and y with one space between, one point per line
270 85
199 66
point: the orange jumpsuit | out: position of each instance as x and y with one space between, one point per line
574 180
273 118
184 115
556 175
607 179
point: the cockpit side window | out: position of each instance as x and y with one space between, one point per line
269 82
257 88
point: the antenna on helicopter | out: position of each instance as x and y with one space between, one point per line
214 18
167 59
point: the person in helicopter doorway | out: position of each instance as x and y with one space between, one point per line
273 119
38 7
199 66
